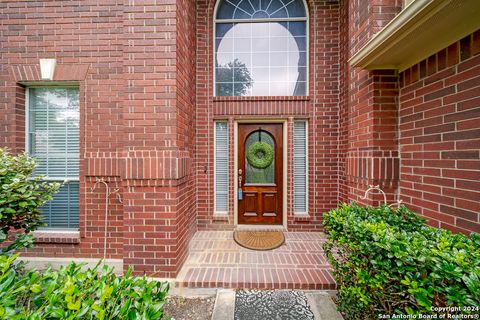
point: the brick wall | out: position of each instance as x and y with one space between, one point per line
320 108
186 204
440 136
368 108
144 70
133 62
415 133
85 33
159 208
343 100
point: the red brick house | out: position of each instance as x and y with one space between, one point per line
162 99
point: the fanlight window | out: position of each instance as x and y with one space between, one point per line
261 48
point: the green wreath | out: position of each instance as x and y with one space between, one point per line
260 155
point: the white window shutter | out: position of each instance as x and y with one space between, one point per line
300 167
221 167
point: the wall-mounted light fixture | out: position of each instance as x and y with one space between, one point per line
47 68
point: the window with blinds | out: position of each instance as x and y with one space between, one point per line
54 140
300 167
221 167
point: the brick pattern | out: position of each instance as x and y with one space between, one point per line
144 70
134 63
63 72
159 187
216 261
57 237
372 157
93 59
92 227
440 136
261 106
368 112
320 108
368 17
186 205
344 82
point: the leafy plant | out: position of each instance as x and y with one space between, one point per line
265 150
233 70
71 293
21 196
388 261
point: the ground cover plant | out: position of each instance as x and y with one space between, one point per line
72 292
387 261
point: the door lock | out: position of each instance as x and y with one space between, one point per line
240 177
240 191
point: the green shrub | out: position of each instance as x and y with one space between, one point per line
21 195
70 293
75 294
387 261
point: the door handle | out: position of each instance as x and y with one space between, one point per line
240 191
240 178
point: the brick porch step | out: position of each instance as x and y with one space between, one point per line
216 261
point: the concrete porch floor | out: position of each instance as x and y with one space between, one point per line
215 260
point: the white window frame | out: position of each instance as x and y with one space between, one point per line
64 180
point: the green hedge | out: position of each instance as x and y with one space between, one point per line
387 261
21 196
72 293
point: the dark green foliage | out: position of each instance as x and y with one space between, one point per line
260 155
388 261
75 294
234 70
21 195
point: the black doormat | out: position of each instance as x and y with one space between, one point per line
272 305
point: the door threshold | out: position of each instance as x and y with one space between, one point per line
260 227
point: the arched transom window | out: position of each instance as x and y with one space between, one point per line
261 48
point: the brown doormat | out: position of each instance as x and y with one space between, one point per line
259 240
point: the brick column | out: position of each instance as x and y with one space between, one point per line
158 182
369 108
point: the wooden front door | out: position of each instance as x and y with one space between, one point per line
260 181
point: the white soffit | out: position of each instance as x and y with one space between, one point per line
421 29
